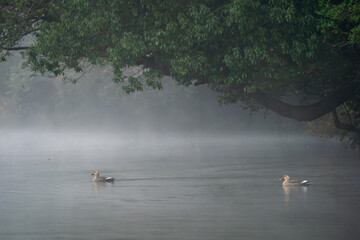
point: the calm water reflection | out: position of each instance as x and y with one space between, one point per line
219 189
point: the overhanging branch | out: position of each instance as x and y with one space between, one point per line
14 48
308 112
311 111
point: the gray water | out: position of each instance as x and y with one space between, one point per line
225 188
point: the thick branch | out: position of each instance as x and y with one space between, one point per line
15 48
307 112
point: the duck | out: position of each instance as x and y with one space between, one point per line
97 178
288 182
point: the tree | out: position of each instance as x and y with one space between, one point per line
262 53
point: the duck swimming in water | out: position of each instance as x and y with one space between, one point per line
97 178
288 182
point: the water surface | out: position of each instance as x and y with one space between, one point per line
225 188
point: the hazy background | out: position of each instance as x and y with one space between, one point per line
185 167
96 104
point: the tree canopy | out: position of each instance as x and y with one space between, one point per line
299 59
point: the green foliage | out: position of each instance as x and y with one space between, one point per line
303 48
341 21
231 43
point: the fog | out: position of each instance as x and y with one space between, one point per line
185 167
97 105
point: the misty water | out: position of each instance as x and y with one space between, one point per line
176 188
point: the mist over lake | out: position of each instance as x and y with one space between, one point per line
184 167
179 120
176 188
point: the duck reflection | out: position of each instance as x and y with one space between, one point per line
99 185
295 191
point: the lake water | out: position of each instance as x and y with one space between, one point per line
225 188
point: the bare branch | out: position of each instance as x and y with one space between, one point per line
339 125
